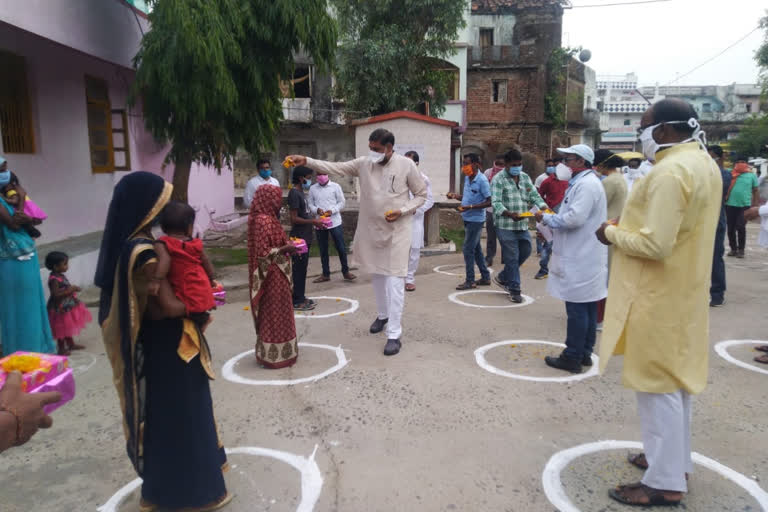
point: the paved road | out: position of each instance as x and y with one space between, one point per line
427 430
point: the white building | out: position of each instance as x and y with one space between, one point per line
621 107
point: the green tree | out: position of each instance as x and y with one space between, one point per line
753 137
388 59
208 74
761 56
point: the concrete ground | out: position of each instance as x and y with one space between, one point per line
426 430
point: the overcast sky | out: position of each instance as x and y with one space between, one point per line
660 41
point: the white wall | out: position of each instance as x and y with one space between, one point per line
503 26
106 29
409 133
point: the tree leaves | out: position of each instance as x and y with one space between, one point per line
388 53
208 71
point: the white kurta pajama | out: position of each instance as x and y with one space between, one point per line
382 248
417 238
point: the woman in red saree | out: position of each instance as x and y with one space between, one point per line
269 265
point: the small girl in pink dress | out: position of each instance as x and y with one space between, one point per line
68 316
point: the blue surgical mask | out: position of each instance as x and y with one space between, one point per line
550 170
5 178
306 185
265 173
515 171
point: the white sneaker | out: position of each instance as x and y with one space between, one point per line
600 326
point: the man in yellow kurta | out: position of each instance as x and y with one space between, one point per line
384 226
658 315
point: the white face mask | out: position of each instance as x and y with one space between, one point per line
563 172
651 147
375 157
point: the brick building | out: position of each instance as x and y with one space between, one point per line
509 80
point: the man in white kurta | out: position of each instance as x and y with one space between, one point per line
385 224
417 240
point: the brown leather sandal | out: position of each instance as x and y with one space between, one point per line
762 348
762 359
640 495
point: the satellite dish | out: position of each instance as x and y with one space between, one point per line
585 55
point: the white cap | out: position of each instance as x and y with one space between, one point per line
581 150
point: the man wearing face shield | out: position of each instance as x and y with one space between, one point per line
658 315
579 264
384 228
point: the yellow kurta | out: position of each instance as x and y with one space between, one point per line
658 312
382 247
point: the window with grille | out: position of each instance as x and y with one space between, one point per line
99 125
15 111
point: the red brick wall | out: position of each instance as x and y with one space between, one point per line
524 102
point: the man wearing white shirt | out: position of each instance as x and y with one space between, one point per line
578 271
417 238
326 199
263 178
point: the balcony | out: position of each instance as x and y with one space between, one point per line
297 110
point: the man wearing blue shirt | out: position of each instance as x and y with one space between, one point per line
475 199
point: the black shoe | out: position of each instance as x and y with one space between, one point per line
483 282
466 285
740 254
499 282
586 360
717 303
541 275
515 297
733 253
488 262
564 363
392 347
378 325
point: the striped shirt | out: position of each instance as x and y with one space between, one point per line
506 195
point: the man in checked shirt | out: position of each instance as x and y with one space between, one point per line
513 193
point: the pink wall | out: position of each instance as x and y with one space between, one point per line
58 175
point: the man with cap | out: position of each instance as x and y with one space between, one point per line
579 265
391 191
658 315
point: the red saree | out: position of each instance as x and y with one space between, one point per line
270 282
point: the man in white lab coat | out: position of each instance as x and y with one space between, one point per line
417 239
391 190
578 270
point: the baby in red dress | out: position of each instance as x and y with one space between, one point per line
183 261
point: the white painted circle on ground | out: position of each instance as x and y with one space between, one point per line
485 365
722 350
553 486
81 362
311 478
454 297
228 371
353 305
439 270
